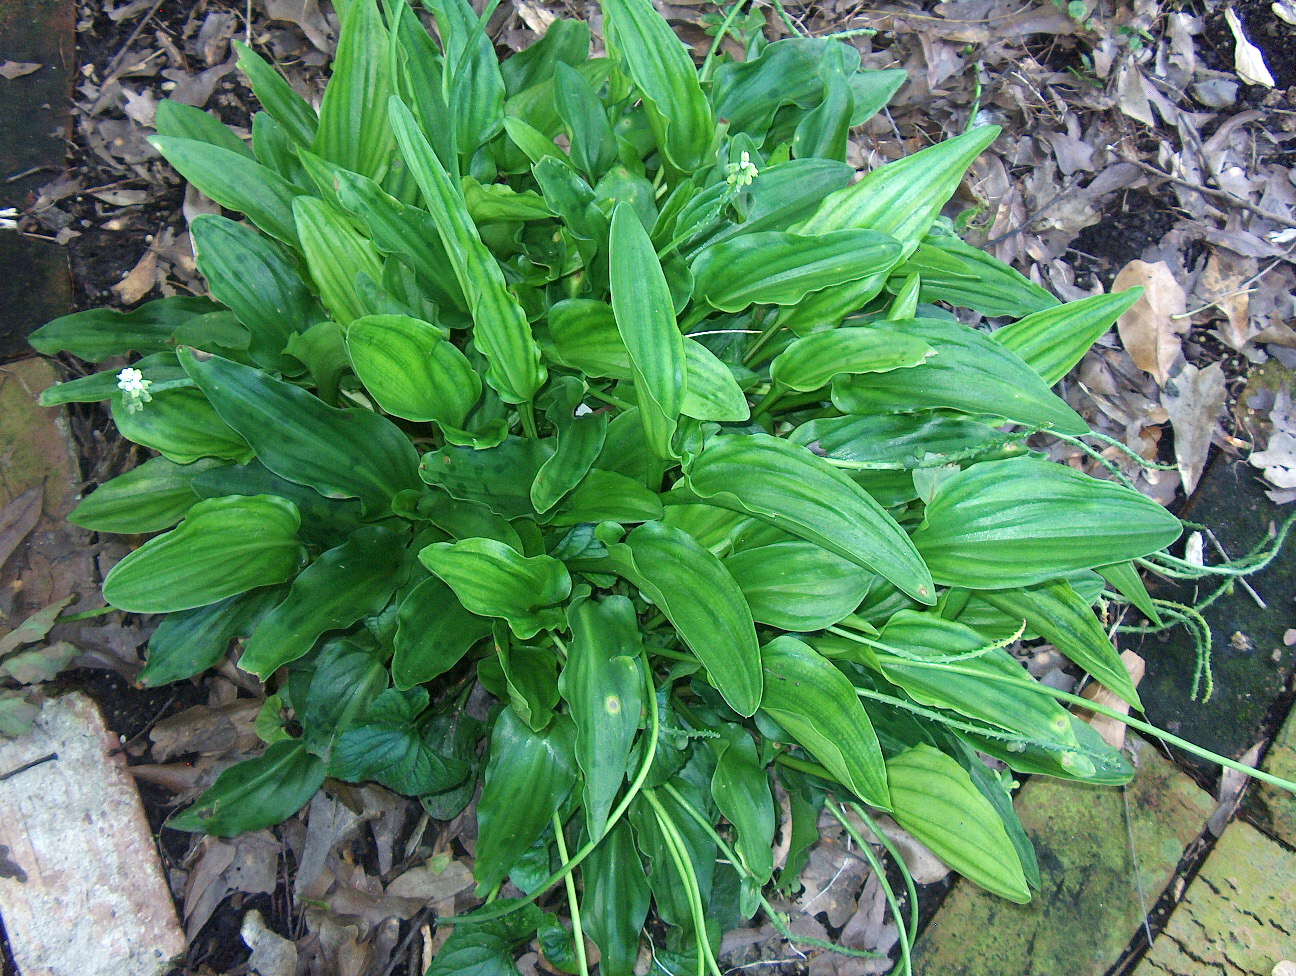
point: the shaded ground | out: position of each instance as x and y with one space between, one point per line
1127 136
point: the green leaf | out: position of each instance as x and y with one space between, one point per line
614 900
523 763
740 787
815 702
604 691
748 94
433 633
661 68
277 97
495 580
778 268
904 197
411 370
341 453
810 362
699 597
393 746
501 328
182 425
253 277
593 146
186 122
336 256
968 277
1126 580
970 373
235 182
645 318
711 391
789 487
901 442
354 580
486 948
579 441
935 800
98 333
256 793
149 498
565 40
348 675
785 193
1053 340
604 496
224 546
473 82
1022 521
353 130
499 477
822 131
797 585
191 641
1054 611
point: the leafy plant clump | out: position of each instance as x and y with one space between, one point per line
598 383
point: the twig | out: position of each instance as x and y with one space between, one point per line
415 923
1243 289
1241 579
1048 204
1232 198
115 63
26 766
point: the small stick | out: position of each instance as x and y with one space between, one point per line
1241 579
53 756
1237 201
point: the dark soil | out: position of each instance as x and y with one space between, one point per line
1122 235
1263 29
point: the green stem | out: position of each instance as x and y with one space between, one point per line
776 392
684 866
650 754
766 334
892 903
725 25
84 615
573 905
527 411
803 766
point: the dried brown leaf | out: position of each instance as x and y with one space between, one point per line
1248 60
139 281
1112 730
17 519
1149 329
1194 400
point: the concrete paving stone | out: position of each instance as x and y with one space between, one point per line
83 892
1088 907
1271 808
1237 918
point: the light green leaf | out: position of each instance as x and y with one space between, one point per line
495 580
224 546
789 487
186 122
411 370
1022 521
277 97
810 362
149 498
815 702
797 585
181 425
353 130
1053 340
1126 580
336 255
711 392
934 799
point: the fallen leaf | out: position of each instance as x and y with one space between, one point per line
429 885
1224 287
39 664
272 954
16 69
18 518
1278 460
1149 330
1194 400
139 281
34 628
1248 60
1111 730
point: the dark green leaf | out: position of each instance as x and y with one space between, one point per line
614 901
277 97
348 675
256 793
741 789
181 425
189 642
186 122
433 633
149 498
393 746
902 441
499 477
98 333
604 496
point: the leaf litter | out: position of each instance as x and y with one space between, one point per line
1140 145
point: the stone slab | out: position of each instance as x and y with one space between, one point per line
1270 808
1088 907
1238 917
83 892
34 446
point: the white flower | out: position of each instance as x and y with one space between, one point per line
742 172
134 389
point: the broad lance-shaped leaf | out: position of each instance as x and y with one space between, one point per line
604 690
815 702
614 900
191 641
789 487
810 362
411 369
797 585
1125 579
528 777
967 277
699 597
154 496
902 441
224 546
970 373
1002 524
1052 341
278 97
778 268
338 258
501 329
97 333
235 182
1056 613
934 799
492 579
341 453
181 425
433 633
256 793
353 130
344 584
740 787
252 276
904 197
661 68
645 318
